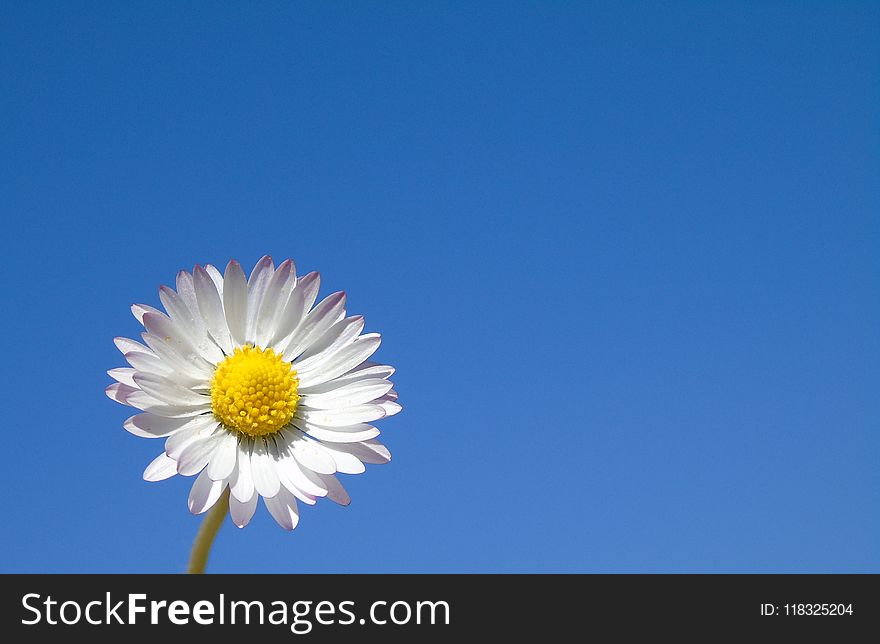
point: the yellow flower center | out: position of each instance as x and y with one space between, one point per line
254 391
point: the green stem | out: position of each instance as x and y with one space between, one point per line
198 558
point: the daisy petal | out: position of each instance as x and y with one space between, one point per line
282 507
123 375
370 451
329 311
349 395
145 402
192 325
256 289
152 426
160 468
197 454
177 363
211 308
119 392
127 344
274 300
297 492
365 371
223 461
204 493
132 397
242 511
342 361
346 462
216 277
309 454
293 477
335 491
139 310
263 471
176 336
301 299
347 434
331 436
391 408
241 483
169 392
315 478
147 362
198 430
186 291
336 337
235 297
277 457
342 416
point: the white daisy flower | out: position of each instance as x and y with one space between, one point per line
254 390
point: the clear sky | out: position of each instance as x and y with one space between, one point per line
623 255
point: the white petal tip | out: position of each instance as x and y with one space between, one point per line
115 393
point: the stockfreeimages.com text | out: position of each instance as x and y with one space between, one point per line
300 616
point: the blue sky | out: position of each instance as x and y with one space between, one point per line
623 255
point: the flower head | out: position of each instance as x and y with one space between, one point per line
254 389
